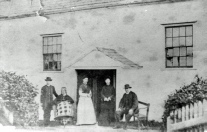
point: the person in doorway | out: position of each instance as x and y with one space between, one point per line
107 104
128 106
46 99
85 110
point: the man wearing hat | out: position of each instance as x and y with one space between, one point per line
107 103
46 99
128 105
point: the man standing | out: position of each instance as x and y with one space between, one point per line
128 105
107 103
46 99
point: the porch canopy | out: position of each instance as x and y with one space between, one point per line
102 58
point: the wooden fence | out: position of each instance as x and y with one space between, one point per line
189 118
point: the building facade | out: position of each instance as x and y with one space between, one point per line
156 46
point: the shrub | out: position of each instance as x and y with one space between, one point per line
194 92
19 94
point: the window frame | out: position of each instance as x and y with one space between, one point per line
44 54
185 46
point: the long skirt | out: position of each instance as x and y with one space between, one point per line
85 112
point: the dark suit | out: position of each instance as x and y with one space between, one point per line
128 101
47 101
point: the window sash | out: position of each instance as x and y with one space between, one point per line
52 51
179 46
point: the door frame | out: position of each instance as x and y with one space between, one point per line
114 70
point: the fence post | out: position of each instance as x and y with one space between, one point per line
187 112
169 122
191 110
195 110
175 116
183 113
200 108
205 107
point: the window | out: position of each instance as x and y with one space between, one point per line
179 46
52 49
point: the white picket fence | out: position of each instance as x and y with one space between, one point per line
189 118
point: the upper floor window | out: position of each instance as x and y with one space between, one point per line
52 51
179 46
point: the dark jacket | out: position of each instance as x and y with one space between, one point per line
47 95
129 101
108 91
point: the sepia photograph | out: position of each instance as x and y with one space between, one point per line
103 65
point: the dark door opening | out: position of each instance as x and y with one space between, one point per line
96 81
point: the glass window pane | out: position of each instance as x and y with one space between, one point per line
55 57
182 41
59 65
182 31
182 61
54 67
59 57
183 51
175 61
45 49
169 61
49 41
50 65
176 52
169 52
44 40
46 62
189 51
189 61
189 30
50 57
175 42
175 32
168 42
55 39
168 32
59 48
55 48
59 40
50 49
189 41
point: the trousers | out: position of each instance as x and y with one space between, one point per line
47 111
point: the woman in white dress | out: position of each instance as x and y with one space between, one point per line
85 112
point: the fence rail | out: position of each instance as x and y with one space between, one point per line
192 117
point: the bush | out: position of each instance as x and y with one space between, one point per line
19 94
194 92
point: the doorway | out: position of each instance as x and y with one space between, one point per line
96 80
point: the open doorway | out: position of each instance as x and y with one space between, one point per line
96 81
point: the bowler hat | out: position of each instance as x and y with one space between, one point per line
48 79
126 86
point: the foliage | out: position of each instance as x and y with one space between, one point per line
19 94
194 92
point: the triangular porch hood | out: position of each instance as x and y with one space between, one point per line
110 54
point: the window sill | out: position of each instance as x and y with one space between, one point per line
52 72
169 69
